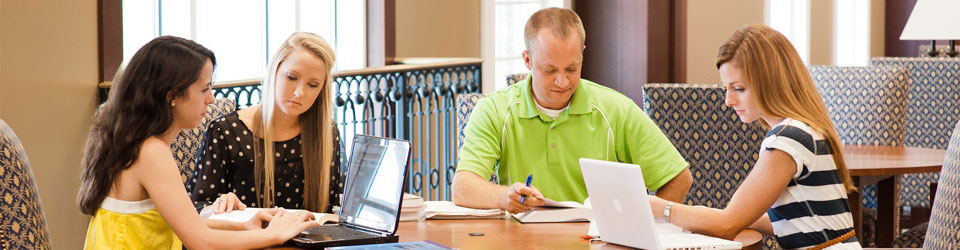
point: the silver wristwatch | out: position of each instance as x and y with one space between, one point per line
666 211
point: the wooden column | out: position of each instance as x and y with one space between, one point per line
110 36
630 43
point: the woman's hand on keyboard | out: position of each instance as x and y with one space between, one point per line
285 225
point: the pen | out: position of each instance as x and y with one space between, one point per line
524 197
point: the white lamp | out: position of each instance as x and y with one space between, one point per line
934 20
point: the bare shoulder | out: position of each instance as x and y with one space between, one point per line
154 152
154 145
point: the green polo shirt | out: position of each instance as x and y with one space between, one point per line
507 134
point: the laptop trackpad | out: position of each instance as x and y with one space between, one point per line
331 233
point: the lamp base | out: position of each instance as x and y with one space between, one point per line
933 49
953 49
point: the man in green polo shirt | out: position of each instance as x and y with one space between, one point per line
543 125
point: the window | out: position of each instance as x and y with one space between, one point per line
792 19
853 32
245 34
504 43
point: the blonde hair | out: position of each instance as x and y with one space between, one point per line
316 131
770 65
558 20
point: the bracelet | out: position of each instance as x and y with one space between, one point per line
666 211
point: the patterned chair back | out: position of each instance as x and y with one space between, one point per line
867 104
868 107
22 224
942 229
465 104
186 145
720 148
514 78
933 107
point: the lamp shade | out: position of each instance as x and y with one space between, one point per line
933 20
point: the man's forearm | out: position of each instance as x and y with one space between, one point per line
470 190
676 189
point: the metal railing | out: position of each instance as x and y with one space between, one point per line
414 101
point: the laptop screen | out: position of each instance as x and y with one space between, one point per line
374 182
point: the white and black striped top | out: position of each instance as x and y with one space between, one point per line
813 208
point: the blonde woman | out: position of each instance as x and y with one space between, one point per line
798 188
283 152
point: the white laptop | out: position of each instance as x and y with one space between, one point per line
621 211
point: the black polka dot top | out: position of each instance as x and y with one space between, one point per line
225 164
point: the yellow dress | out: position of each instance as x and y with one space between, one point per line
129 225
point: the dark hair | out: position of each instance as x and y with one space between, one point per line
138 107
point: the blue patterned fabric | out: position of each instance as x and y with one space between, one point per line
185 146
465 104
867 105
942 230
912 238
720 148
22 223
514 78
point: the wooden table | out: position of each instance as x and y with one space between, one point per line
510 234
884 165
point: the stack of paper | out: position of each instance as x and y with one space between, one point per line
412 208
447 210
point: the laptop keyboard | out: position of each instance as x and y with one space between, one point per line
332 232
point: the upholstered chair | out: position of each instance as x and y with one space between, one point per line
22 223
186 144
867 104
465 105
943 231
868 107
720 148
514 78
933 107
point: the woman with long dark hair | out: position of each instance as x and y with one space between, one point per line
130 181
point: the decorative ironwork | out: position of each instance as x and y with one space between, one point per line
414 102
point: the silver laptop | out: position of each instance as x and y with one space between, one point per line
622 213
372 196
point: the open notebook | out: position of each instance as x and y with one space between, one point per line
555 211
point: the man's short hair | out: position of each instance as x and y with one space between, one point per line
559 20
